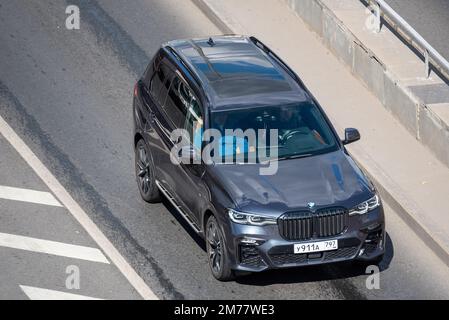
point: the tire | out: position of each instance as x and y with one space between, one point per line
216 252
145 174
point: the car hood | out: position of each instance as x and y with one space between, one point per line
331 179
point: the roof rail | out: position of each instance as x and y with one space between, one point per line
186 65
268 51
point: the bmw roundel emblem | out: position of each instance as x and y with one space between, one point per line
311 205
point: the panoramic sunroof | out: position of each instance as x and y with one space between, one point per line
236 67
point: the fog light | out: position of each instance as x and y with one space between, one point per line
375 236
373 241
249 256
374 227
371 228
251 241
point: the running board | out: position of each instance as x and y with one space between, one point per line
175 204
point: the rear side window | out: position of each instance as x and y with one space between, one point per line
149 72
160 83
177 102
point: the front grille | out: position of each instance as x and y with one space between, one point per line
304 225
249 256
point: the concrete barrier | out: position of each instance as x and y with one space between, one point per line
434 129
419 119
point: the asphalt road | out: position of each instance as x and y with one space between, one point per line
430 18
23 221
68 95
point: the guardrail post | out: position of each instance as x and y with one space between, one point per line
381 8
378 19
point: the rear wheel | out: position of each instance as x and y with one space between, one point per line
145 174
216 251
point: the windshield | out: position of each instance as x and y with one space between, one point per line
301 130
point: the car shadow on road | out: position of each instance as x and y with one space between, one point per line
199 241
335 271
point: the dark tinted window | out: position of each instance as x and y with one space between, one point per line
160 83
165 86
301 128
149 72
157 60
177 102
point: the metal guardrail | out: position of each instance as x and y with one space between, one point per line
431 56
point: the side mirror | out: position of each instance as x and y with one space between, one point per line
351 135
189 155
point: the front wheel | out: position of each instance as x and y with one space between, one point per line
145 174
216 251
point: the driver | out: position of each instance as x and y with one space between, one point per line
289 119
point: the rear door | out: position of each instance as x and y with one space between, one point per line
158 128
173 117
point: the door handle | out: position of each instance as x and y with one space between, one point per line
176 140
151 116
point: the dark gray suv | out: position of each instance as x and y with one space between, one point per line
316 207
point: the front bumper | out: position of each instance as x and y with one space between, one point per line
255 249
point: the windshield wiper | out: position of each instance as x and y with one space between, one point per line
295 156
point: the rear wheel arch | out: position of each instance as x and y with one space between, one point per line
137 138
145 175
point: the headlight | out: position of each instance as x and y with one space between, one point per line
250 219
366 206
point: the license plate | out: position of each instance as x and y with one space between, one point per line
316 246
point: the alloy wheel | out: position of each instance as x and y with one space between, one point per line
143 171
215 246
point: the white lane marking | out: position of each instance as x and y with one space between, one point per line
74 208
52 247
26 195
34 293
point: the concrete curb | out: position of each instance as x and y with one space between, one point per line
390 192
409 211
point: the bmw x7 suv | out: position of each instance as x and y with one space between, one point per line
315 207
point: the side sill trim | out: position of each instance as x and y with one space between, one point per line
177 207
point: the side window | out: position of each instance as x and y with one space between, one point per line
152 66
194 122
160 82
176 104
156 82
157 60
165 85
